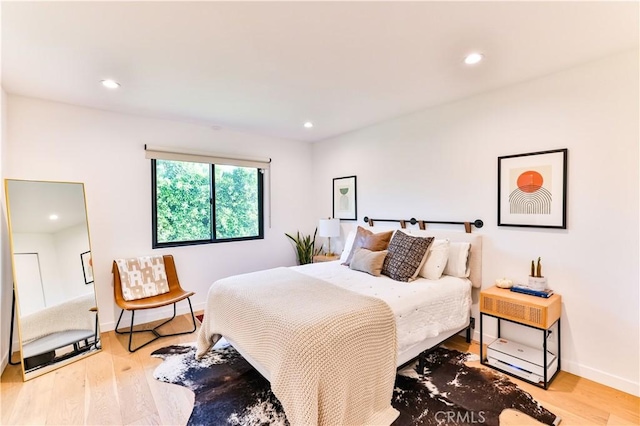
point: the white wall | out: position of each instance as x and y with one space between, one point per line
53 141
6 280
441 164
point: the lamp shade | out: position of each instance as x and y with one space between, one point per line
329 228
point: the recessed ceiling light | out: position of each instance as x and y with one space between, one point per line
473 58
53 217
308 124
110 84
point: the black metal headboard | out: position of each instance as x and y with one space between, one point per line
421 223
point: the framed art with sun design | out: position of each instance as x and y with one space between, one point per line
532 189
344 198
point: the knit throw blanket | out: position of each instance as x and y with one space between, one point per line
142 277
330 353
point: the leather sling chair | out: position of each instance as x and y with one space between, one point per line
175 294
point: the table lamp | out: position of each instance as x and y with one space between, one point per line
329 228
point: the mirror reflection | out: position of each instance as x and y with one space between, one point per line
53 278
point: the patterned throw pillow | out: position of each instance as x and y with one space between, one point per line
406 256
142 277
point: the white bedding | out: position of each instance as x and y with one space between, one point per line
422 308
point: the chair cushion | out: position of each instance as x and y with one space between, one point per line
142 277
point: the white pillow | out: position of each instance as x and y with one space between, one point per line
457 265
348 244
437 257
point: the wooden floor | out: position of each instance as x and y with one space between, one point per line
116 387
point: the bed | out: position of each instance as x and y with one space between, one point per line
300 332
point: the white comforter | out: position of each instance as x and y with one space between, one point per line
422 308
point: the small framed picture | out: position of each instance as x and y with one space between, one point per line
344 198
87 267
532 189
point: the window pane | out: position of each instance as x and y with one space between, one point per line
236 195
183 193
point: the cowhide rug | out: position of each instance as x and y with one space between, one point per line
228 390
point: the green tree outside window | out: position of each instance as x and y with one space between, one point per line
185 194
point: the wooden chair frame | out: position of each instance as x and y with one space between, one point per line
175 294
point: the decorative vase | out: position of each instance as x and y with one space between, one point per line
538 283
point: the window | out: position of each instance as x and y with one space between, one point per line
198 203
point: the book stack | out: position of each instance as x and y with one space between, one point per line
532 292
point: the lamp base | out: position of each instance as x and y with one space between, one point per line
329 252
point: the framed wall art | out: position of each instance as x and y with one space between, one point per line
87 267
344 198
532 189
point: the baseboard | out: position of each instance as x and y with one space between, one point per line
149 315
475 336
5 362
599 376
5 357
602 377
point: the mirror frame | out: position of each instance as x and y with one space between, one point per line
28 375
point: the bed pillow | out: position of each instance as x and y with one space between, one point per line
406 256
348 244
457 264
368 261
437 257
369 240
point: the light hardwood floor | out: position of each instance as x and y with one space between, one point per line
116 387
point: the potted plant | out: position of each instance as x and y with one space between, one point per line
536 280
305 247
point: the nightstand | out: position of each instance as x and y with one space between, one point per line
524 362
325 258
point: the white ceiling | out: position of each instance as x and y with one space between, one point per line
267 67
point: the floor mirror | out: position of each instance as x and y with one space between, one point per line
54 296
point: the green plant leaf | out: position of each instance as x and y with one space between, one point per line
304 246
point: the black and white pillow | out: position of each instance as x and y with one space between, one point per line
406 255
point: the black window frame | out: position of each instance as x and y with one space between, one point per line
212 199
